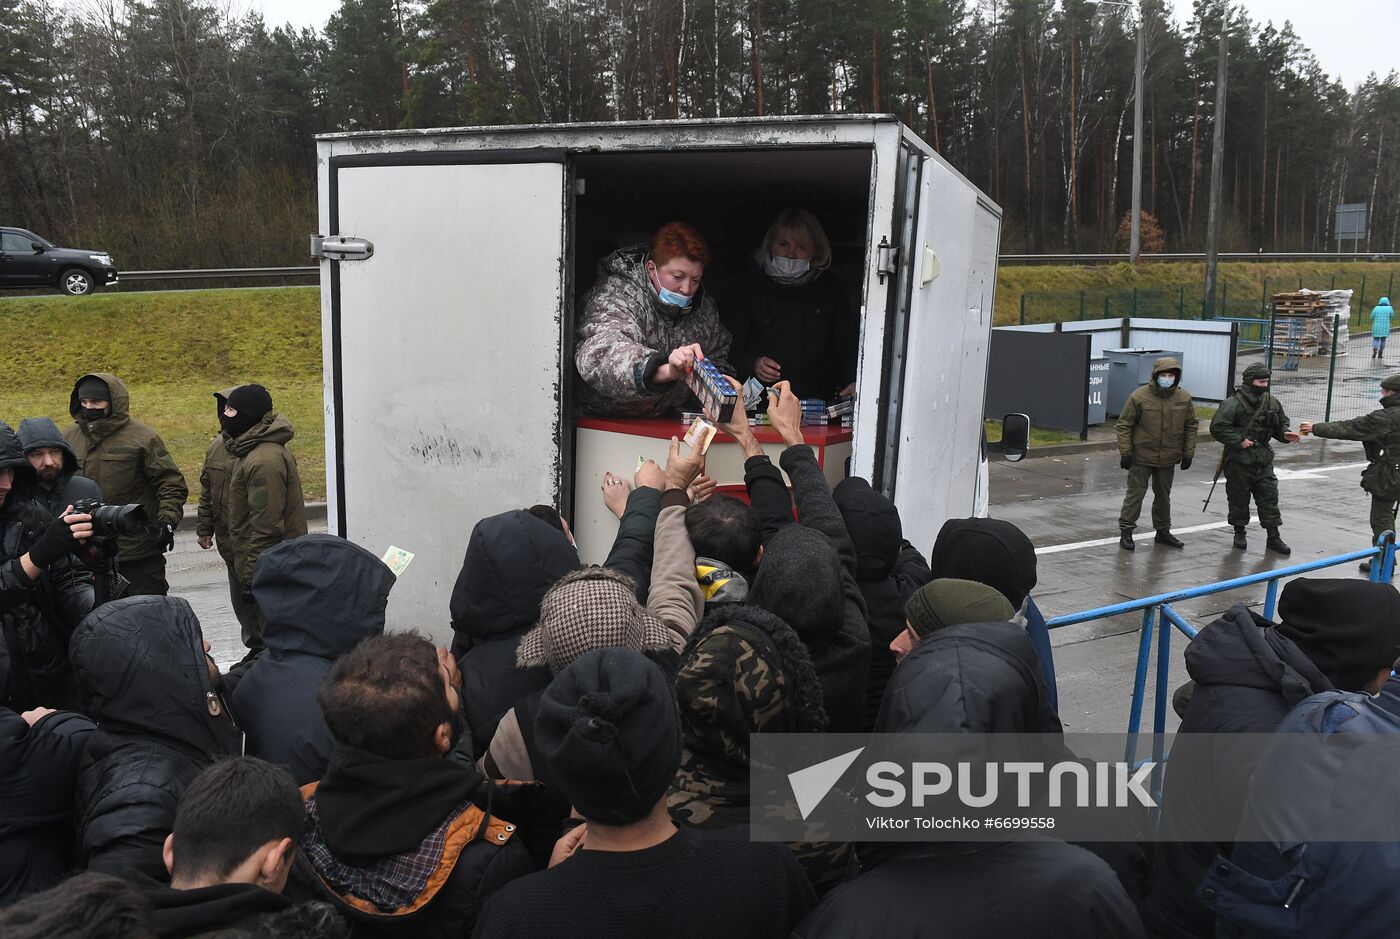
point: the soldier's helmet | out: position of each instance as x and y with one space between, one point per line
1256 370
1391 381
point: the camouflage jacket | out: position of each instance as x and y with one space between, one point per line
130 464
265 501
744 671
626 333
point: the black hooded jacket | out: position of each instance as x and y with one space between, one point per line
377 819
144 679
236 911
977 678
40 432
888 571
38 776
512 560
807 578
1248 677
36 616
320 595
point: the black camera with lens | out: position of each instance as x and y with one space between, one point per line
110 522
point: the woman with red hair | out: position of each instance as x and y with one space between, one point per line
644 323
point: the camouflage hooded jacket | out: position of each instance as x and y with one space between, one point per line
265 502
626 333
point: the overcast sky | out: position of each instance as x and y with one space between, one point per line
1351 38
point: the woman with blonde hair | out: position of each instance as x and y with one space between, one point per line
790 317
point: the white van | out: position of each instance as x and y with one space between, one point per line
453 263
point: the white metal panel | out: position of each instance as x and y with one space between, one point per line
450 361
939 372
1207 351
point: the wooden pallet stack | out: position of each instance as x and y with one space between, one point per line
1304 319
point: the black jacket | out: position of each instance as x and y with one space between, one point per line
990 890
807 577
512 560
1248 677
372 821
888 571
236 911
37 616
69 488
808 329
975 678
320 595
38 776
144 679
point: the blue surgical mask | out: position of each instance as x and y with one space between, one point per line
1165 381
672 298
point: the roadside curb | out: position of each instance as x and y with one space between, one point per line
314 511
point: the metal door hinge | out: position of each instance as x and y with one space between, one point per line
888 258
341 248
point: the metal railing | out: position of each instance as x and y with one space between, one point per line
1158 613
228 273
1224 256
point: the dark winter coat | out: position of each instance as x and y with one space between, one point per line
406 847
240 911
130 463
38 776
144 679
975 678
37 616
1248 676
37 433
214 476
512 560
265 502
808 329
320 595
808 578
888 571
625 333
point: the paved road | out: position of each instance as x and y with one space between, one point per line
1068 506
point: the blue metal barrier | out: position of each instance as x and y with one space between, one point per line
1158 615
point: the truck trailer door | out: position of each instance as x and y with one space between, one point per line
951 271
444 357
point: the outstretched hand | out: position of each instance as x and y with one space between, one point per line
1305 428
785 413
681 470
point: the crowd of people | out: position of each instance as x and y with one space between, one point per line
577 762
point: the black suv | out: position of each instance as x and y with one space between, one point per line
26 260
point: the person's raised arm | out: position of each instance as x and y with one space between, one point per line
768 492
816 507
676 598
632 549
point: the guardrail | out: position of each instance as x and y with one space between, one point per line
228 273
1224 256
1160 607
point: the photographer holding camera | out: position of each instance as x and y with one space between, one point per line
44 591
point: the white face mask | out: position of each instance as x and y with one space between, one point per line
781 268
1165 381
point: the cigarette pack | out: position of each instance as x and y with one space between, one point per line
717 396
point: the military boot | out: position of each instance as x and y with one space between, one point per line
1241 541
1167 538
1125 540
1275 543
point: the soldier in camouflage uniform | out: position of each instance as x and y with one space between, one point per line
1379 433
644 322
744 671
130 464
1244 425
265 502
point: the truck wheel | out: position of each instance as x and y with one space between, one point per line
75 282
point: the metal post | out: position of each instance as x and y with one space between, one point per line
1388 558
1081 306
1224 299
1269 343
1332 364
1264 297
1361 302
1023 309
1135 242
1270 599
1333 285
1181 303
1135 296
1217 170
1140 682
1390 285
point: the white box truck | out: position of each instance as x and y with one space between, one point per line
453 263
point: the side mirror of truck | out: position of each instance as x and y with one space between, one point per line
1015 437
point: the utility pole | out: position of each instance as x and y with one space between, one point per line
1217 172
1135 242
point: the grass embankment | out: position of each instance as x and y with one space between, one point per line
1170 288
173 350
